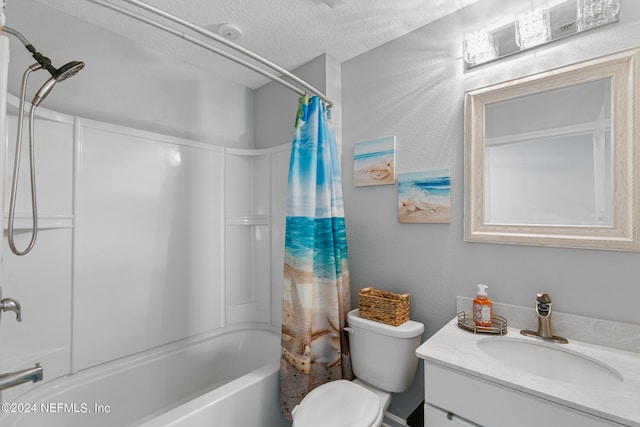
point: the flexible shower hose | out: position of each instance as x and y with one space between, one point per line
16 171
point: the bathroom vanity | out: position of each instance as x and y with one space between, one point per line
513 380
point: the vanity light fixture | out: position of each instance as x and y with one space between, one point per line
537 26
532 28
593 13
478 47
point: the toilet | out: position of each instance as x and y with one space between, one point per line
383 360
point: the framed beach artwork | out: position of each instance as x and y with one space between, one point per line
425 197
374 162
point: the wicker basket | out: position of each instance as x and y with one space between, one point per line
385 307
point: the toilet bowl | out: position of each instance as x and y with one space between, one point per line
383 358
342 403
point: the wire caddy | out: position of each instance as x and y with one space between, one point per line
498 325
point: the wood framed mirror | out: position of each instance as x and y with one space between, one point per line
553 159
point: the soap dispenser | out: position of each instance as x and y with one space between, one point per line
482 307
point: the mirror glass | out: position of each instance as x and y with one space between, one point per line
549 158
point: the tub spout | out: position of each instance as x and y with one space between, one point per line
13 379
10 304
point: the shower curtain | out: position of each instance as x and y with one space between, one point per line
316 295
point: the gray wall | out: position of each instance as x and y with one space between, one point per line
413 88
275 106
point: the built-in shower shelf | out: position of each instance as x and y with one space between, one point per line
45 222
248 220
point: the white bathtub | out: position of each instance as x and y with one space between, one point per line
225 380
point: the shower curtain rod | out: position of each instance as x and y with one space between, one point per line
309 88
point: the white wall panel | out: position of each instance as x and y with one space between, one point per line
279 175
40 280
256 190
248 236
53 141
247 274
148 242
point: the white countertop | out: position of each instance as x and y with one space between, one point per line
457 349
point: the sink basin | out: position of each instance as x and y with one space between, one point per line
549 361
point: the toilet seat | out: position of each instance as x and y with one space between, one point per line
338 404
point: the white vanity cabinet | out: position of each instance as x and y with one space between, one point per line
454 398
525 382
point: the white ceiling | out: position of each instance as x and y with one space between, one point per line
287 32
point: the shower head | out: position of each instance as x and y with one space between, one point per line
57 75
67 70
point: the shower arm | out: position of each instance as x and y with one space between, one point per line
309 88
42 60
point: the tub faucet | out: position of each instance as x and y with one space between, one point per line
543 310
13 379
10 304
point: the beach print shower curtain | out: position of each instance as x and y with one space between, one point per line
316 295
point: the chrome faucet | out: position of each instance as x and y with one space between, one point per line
543 310
13 379
10 304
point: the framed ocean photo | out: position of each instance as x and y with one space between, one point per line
374 162
425 197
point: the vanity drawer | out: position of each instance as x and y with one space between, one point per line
436 417
489 404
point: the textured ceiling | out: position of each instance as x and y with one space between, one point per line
287 32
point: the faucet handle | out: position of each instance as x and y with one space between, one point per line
543 298
543 305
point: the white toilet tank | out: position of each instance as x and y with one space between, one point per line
383 355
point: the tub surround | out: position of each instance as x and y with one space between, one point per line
103 185
457 349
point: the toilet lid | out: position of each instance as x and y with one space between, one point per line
338 404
